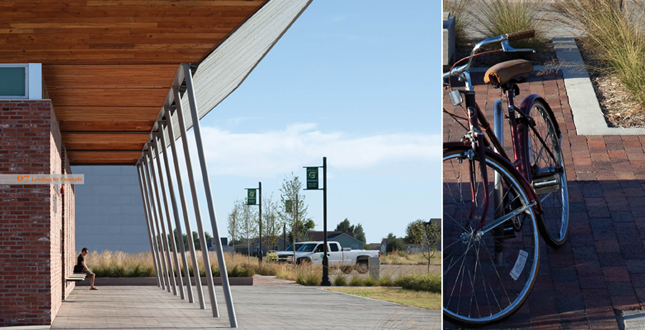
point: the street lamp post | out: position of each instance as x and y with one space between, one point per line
312 184
251 200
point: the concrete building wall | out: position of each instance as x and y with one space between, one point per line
33 236
109 210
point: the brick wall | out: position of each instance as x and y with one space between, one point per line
31 273
69 229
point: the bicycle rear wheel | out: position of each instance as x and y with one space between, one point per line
485 278
548 176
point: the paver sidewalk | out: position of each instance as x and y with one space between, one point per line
257 307
602 266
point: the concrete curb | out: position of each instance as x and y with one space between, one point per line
587 114
152 281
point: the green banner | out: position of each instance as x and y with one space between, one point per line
251 196
312 177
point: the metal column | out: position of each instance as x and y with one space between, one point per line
153 249
207 189
159 242
198 218
180 285
260 216
179 233
171 273
182 198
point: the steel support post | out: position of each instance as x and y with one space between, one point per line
159 242
207 190
260 217
198 218
182 198
325 278
173 200
151 236
164 240
180 284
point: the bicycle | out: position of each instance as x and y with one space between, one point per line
494 207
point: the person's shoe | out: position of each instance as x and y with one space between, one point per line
93 288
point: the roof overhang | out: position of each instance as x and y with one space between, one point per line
109 64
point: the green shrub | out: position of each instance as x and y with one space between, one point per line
396 244
236 271
385 280
356 281
118 271
370 281
240 271
340 281
417 282
307 279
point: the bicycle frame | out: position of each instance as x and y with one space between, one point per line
475 140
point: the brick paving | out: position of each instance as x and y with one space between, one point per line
601 268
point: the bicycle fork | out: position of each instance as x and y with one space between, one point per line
477 143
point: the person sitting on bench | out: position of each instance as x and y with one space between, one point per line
82 268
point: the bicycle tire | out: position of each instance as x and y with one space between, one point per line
491 282
554 198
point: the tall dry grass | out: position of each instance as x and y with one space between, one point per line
614 35
121 264
499 17
458 9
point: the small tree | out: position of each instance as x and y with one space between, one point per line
271 222
427 235
198 245
345 227
233 223
248 225
394 244
292 209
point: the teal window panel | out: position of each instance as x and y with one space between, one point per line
12 81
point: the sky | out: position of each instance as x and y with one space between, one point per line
353 81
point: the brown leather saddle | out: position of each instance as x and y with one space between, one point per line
509 72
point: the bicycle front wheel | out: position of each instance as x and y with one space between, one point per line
486 277
548 176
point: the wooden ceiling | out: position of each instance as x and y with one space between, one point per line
108 64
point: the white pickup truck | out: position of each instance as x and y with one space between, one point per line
345 259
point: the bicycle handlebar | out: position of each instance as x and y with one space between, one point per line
503 39
527 34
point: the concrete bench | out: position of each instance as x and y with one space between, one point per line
76 277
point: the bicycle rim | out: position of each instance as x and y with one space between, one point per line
550 184
489 278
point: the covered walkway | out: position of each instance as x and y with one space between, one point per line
257 307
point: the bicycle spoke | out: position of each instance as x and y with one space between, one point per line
478 282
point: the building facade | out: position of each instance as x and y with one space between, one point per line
36 221
109 210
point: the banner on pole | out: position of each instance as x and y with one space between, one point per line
312 177
251 196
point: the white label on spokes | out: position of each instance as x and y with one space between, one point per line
519 264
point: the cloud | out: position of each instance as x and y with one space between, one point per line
279 152
238 120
